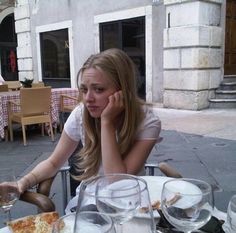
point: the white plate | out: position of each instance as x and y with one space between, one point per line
193 194
155 184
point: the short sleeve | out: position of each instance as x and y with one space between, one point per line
151 126
74 124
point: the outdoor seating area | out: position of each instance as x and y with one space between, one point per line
12 103
173 151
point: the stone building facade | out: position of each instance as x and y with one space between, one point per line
184 42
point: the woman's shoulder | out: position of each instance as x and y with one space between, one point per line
149 114
78 110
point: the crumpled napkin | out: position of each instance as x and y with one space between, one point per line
212 226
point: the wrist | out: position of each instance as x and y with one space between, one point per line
22 185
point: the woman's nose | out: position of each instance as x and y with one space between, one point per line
89 96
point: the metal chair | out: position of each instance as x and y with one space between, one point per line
41 199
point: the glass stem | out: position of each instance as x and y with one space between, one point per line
8 215
119 228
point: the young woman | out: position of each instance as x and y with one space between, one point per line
116 128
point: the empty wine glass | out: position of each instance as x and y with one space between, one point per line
187 203
84 222
231 214
9 191
117 195
143 220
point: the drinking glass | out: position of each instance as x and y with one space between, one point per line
187 203
9 191
117 195
143 220
83 222
231 214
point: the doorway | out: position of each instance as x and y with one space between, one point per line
8 44
230 38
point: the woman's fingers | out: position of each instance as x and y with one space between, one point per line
118 97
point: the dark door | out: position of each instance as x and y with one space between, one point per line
128 35
8 45
230 38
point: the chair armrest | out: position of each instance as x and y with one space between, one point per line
64 96
164 167
13 102
45 186
168 170
40 198
44 203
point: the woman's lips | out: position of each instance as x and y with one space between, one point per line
92 108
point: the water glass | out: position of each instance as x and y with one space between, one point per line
9 192
84 222
187 203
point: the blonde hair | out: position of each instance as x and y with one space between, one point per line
121 71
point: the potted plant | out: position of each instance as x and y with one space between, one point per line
27 82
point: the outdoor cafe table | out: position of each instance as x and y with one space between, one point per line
15 95
155 184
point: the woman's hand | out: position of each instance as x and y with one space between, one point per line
7 188
113 109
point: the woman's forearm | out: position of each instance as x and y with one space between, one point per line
111 157
42 171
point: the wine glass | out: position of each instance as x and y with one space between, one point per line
117 195
83 222
9 191
187 203
143 220
231 214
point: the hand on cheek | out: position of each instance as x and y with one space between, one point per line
114 107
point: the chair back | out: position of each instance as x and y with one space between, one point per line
13 85
3 87
39 84
35 101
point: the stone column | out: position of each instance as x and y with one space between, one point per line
193 51
24 51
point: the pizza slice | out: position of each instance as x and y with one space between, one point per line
41 223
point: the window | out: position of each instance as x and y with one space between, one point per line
128 35
55 58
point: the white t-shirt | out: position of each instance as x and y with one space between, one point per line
149 130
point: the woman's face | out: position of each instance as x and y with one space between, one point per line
96 88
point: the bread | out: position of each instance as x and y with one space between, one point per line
41 223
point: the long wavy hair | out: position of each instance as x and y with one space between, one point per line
122 72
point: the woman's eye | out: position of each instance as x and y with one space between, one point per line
83 90
99 89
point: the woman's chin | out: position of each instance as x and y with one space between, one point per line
95 115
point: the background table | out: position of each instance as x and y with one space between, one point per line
15 95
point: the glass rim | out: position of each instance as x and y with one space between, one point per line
203 192
95 178
74 214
